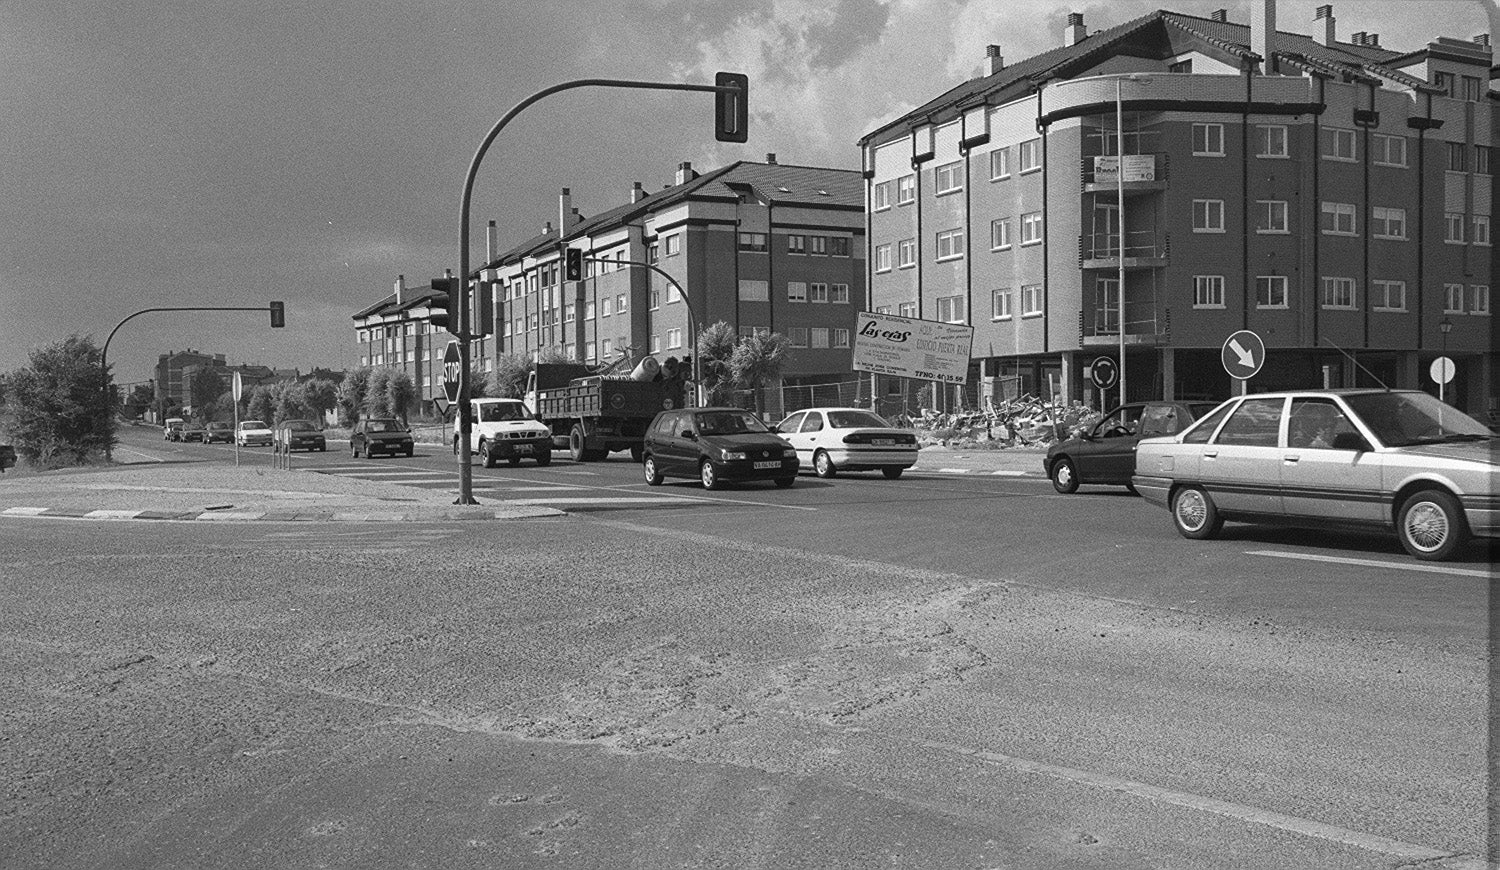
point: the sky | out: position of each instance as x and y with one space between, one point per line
163 153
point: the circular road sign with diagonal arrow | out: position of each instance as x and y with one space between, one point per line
1243 354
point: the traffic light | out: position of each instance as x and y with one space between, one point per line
442 305
278 314
573 265
732 108
482 321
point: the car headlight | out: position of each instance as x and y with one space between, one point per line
731 455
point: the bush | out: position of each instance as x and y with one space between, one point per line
58 411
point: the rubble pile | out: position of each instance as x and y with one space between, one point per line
1022 422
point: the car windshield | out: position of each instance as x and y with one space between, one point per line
299 426
729 423
855 420
253 424
1402 419
500 412
383 426
218 425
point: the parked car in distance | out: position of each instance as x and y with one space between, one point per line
218 430
506 429
192 431
171 428
1105 454
253 433
848 439
299 435
7 457
1369 458
716 445
372 435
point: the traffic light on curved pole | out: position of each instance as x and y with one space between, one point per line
278 315
445 293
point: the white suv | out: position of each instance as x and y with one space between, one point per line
506 429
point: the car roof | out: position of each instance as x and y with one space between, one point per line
1320 391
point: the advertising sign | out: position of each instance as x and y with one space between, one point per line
1138 167
924 349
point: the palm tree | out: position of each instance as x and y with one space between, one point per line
757 361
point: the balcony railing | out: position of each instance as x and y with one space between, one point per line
1144 249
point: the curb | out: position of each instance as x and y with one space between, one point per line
337 516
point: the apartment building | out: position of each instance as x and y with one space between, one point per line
397 332
175 370
1155 186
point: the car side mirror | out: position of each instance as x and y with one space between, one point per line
1350 441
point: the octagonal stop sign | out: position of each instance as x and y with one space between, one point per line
452 366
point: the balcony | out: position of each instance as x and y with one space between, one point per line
1144 249
1100 326
1144 173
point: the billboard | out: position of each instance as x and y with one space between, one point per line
902 346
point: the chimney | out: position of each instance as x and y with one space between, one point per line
685 172
574 217
771 158
491 242
1328 36
637 193
564 206
1482 39
400 288
1263 36
1372 40
1357 38
992 55
1074 33
546 228
1219 15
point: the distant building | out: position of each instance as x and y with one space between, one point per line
174 373
396 332
1323 193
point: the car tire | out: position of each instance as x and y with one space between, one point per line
708 475
544 459
636 453
354 451
411 451
784 482
823 465
486 455
576 444
1194 514
653 476
1431 525
892 472
1064 475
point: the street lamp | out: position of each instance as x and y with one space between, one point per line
1120 211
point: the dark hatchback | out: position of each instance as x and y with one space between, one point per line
373 435
299 435
1105 455
716 445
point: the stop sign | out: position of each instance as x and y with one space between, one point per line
452 366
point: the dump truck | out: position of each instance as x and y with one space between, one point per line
592 415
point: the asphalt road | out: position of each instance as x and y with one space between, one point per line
941 671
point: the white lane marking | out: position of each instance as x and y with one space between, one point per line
592 499
145 457
103 514
1240 812
1375 563
25 511
230 515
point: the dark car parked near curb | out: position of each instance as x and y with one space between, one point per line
372 435
1105 454
716 445
299 435
218 431
7 457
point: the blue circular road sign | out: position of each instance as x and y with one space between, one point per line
1243 354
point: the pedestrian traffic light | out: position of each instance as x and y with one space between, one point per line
442 305
278 314
732 108
573 265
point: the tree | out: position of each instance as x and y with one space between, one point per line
508 380
321 395
207 385
59 413
758 360
139 400
716 346
351 394
261 404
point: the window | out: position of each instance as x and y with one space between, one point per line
1270 140
818 245
1387 295
819 336
1181 66
1208 140
1453 228
1443 81
673 294
674 338
1480 299
948 178
1388 150
999 234
1031 155
1453 299
796 291
882 196
906 253
817 293
838 246
606 307
906 189
1272 216
1481 230
798 336
1000 304
1338 144
839 293
882 258
1270 291
1388 223
1208 215
654 302
1208 291
753 242
952 309
840 337
753 331
1458 154
907 309
796 244
1338 293
1000 163
620 304
1471 88
1481 160
604 348
1255 423
950 245
655 343
570 313
674 245
1031 299
1338 219
1031 228
653 253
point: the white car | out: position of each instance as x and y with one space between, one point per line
253 433
849 439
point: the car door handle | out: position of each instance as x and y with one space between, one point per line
1290 459
1210 454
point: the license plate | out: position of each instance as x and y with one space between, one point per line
768 465
523 448
883 442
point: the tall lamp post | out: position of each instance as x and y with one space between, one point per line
1120 211
692 315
